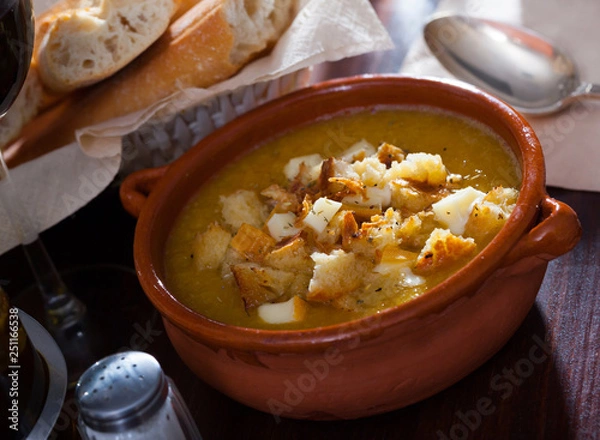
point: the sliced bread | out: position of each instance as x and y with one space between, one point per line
91 42
209 43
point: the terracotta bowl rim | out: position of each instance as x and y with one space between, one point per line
431 302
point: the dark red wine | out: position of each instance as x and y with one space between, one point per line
16 47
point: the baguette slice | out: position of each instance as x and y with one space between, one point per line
36 97
97 38
208 44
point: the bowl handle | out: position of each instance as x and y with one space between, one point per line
136 188
557 232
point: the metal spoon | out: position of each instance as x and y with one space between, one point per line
517 65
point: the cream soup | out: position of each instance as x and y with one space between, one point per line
341 219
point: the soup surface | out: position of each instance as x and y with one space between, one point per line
341 219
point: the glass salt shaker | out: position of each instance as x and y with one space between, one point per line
127 396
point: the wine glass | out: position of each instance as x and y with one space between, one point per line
65 314
16 48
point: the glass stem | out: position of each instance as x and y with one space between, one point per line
63 309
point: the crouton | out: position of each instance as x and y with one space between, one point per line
282 199
409 199
423 168
345 169
381 230
488 216
503 197
350 302
243 206
258 284
334 275
415 230
327 170
299 285
362 246
209 247
252 243
484 222
231 258
352 185
293 257
349 229
441 250
370 171
292 310
388 153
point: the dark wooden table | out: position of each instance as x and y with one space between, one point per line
542 385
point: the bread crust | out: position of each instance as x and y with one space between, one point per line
195 51
37 97
86 45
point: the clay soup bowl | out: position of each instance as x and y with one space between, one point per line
378 363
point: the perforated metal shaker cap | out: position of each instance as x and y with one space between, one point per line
121 391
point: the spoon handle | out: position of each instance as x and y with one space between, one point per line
591 90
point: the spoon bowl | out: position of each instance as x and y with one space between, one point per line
516 64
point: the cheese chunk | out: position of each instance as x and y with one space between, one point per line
410 279
293 310
321 214
292 168
282 225
358 151
454 210
374 196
